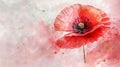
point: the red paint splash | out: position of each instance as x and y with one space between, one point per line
107 50
95 20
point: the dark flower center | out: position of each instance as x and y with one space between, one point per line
81 26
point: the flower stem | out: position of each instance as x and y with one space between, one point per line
84 57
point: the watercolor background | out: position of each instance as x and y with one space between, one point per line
26 35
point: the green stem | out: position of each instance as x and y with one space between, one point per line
84 57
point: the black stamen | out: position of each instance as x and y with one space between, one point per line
81 26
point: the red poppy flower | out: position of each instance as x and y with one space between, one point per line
83 23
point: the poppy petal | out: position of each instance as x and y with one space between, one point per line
78 41
65 19
93 14
95 20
